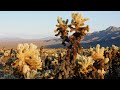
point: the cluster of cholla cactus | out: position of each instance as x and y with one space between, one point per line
73 41
6 54
106 62
28 60
95 65
113 53
56 64
96 62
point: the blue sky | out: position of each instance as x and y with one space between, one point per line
39 24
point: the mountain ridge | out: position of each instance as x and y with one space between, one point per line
106 37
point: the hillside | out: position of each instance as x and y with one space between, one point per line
104 37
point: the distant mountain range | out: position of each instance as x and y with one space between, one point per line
104 37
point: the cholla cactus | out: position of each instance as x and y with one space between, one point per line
115 66
106 60
63 53
91 49
5 57
1 51
79 18
107 48
7 53
28 58
30 74
78 21
62 30
55 62
84 62
98 53
73 40
88 64
101 73
115 47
